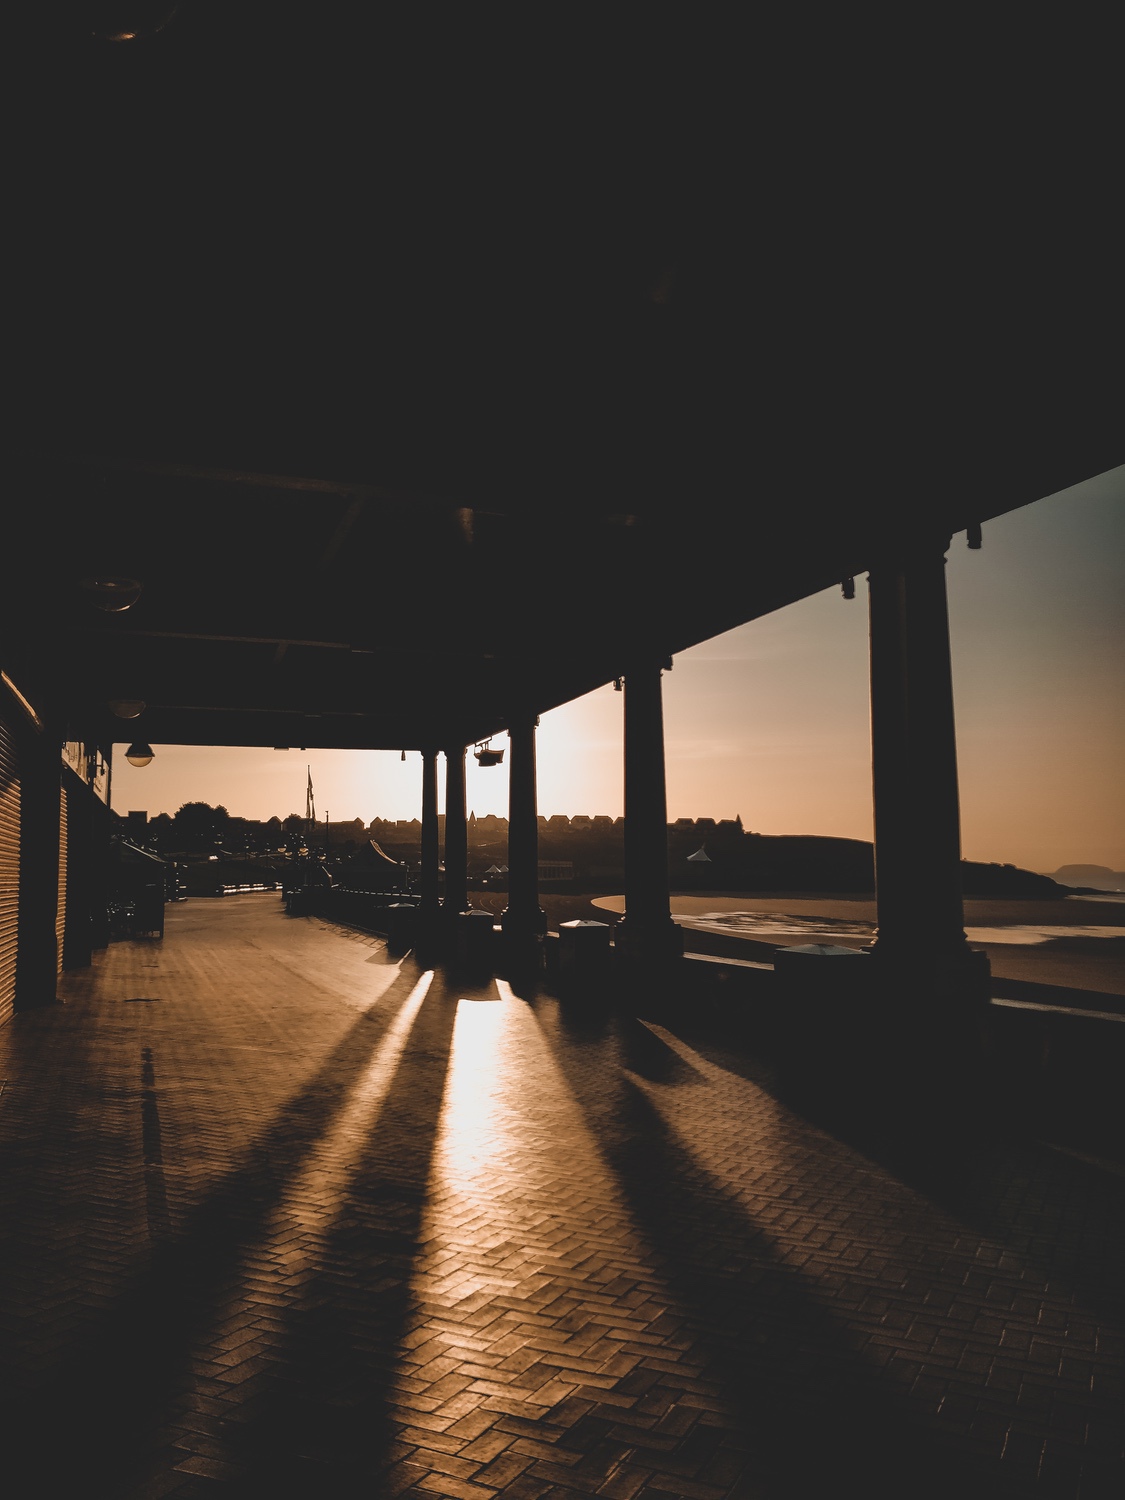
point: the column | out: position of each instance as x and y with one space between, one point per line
523 920
456 836
80 876
914 768
430 877
100 850
646 931
40 792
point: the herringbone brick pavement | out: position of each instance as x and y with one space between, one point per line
283 1217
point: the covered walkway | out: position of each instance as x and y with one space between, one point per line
284 1216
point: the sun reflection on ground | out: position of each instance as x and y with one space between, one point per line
519 1194
477 1116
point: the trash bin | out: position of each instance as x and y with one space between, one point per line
818 969
825 1020
148 917
475 947
301 901
402 925
584 949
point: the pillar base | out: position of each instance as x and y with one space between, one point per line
37 1002
895 1039
524 952
428 936
956 979
530 924
648 943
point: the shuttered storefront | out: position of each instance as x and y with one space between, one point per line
60 909
79 872
9 869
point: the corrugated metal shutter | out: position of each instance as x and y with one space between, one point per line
9 869
76 936
60 909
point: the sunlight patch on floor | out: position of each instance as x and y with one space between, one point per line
521 1203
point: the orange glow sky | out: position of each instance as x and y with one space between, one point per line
770 721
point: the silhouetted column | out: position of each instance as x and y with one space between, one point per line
431 901
523 918
646 931
78 942
99 900
40 794
914 765
456 836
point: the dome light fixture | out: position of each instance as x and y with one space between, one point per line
127 708
112 594
139 754
128 20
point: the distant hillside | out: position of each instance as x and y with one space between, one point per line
705 855
1096 877
795 862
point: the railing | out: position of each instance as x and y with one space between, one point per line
364 909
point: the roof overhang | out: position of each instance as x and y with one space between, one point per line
416 396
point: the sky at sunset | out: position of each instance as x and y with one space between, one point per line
770 721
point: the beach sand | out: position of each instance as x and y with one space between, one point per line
1008 931
1012 932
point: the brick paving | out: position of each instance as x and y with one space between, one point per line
284 1217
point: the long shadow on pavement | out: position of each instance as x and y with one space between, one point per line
100 1424
319 1423
1062 1215
812 1416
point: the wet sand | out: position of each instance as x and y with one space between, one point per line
1022 938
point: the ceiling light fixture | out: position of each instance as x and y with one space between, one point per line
129 20
112 594
127 708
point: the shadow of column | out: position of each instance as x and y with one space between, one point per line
100 1423
808 1410
320 1424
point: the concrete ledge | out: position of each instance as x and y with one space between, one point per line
1058 995
1055 1072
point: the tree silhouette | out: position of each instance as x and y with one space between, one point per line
198 825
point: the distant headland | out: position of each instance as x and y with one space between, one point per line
588 853
1090 877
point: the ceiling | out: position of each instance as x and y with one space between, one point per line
430 366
